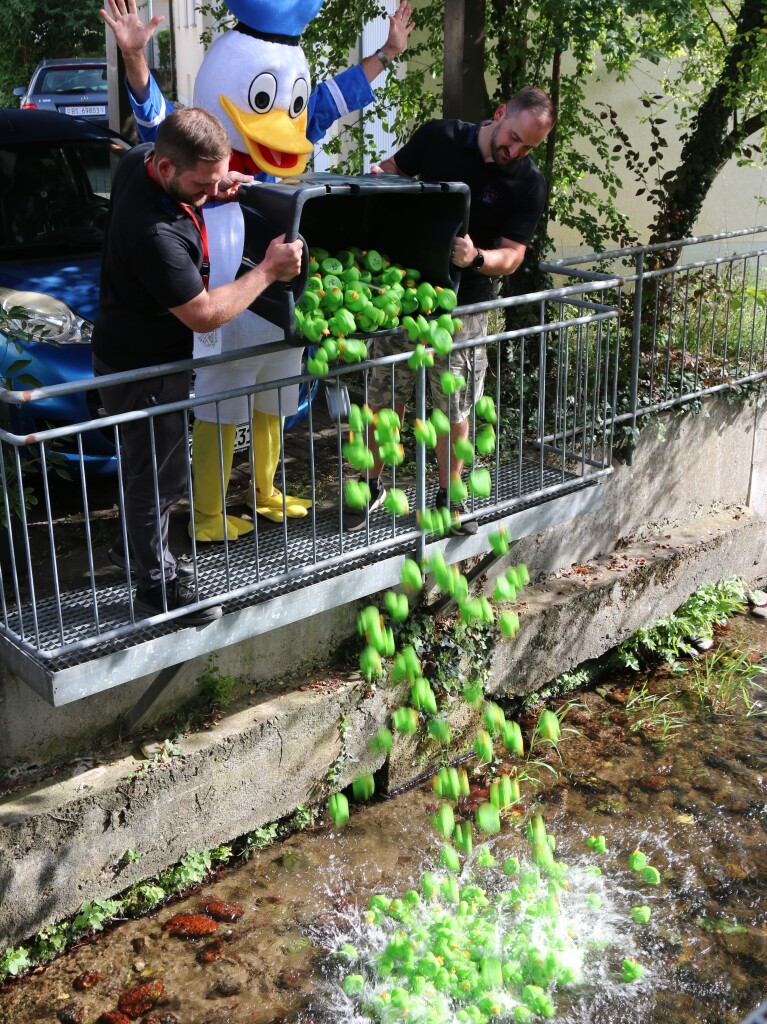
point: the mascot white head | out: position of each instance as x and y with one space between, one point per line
256 80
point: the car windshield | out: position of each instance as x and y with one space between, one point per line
72 80
55 196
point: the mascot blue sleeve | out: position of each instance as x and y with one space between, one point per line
151 112
330 100
335 97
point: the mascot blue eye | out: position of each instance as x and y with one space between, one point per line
262 92
300 97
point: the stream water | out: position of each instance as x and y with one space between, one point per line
693 801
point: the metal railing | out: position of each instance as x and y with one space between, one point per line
553 385
695 326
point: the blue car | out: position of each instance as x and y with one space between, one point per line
55 180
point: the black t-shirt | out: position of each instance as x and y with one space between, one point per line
506 202
151 262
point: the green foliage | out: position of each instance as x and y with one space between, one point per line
724 683
163 47
94 914
216 687
34 29
575 679
670 636
400 102
337 769
190 870
145 895
218 17
652 714
303 817
259 839
457 652
168 750
15 960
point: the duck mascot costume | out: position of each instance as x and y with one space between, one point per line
255 78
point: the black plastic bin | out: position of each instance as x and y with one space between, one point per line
413 222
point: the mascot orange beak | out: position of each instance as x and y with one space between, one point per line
276 144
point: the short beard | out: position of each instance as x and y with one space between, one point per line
182 197
495 151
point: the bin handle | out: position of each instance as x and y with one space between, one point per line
289 237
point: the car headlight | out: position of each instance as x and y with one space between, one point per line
34 316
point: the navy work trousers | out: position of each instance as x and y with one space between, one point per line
155 463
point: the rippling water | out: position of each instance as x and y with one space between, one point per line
696 804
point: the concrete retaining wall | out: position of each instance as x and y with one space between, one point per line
689 510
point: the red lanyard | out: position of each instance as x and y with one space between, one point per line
199 223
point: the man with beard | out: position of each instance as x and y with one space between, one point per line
508 193
154 295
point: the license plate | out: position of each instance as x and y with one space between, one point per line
86 111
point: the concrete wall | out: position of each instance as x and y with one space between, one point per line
33 733
705 463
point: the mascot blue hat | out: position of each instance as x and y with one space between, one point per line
286 18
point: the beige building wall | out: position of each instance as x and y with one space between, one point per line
736 198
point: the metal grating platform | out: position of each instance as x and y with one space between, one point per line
318 568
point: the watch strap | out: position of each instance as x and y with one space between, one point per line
383 58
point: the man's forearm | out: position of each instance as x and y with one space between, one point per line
373 65
137 74
501 262
215 308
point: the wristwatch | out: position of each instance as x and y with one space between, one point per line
478 261
383 58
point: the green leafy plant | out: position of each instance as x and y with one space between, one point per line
94 914
193 867
653 714
168 750
145 895
15 960
345 757
671 636
216 687
303 817
534 767
222 854
258 839
724 683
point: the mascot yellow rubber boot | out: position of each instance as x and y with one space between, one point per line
206 472
265 437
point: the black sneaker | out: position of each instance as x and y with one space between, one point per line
116 555
148 600
469 527
354 518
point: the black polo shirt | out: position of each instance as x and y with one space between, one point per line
150 263
506 202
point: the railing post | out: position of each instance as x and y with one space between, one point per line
635 341
420 458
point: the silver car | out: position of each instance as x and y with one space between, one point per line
76 86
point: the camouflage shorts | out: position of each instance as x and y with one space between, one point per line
395 384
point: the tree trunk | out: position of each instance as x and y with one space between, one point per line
714 134
464 94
